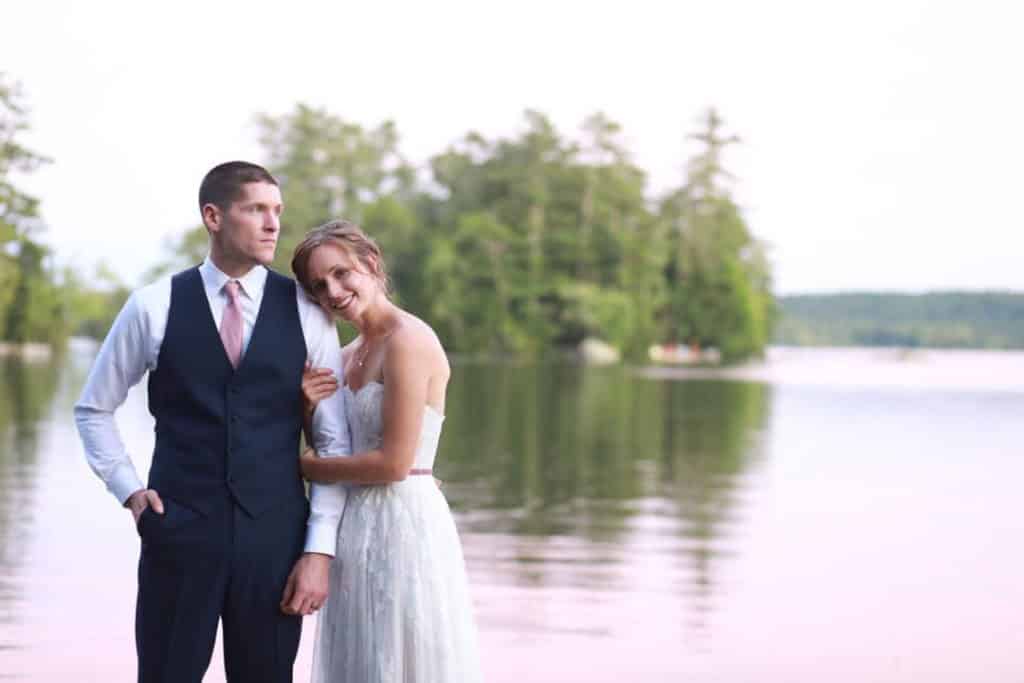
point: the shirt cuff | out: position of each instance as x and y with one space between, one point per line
124 481
322 535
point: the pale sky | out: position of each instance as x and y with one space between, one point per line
883 141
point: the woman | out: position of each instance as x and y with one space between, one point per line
398 607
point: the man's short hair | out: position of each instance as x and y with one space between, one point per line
223 184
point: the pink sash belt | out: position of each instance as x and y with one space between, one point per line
421 470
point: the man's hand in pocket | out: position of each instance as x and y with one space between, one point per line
142 499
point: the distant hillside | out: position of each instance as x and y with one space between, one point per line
985 320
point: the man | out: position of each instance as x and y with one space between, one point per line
223 517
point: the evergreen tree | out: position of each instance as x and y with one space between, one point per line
31 303
720 288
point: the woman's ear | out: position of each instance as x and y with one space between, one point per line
374 264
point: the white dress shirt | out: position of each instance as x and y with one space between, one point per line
132 348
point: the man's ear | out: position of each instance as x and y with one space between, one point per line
212 217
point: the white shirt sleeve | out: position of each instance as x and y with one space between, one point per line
330 434
121 363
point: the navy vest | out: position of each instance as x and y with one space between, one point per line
222 433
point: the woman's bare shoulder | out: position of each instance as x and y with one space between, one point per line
413 336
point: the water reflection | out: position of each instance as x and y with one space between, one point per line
579 477
25 398
615 527
586 499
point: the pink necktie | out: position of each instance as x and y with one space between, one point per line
231 324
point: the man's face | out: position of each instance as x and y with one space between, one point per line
248 230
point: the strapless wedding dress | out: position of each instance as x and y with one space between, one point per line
398 609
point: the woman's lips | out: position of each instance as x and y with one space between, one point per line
344 303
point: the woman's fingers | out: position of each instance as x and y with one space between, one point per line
319 380
321 390
317 397
319 384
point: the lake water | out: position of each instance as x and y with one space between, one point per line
822 523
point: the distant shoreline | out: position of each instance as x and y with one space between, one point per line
945 369
941 319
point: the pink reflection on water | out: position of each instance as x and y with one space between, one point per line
879 541
581 611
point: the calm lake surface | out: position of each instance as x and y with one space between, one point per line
621 526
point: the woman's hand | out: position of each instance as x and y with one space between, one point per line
317 384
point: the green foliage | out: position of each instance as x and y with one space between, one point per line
719 278
990 320
38 303
93 305
36 312
512 247
19 212
185 251
329 168
517 246
31 303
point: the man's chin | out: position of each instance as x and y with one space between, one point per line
266 258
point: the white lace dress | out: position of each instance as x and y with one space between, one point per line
399 609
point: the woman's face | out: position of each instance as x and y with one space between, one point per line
340 283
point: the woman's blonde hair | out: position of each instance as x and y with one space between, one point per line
349 237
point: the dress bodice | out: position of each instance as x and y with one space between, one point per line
366 424
398 606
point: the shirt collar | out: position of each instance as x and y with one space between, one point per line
252 282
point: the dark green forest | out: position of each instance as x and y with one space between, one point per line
983 320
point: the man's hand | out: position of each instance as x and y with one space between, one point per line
142 499
306 589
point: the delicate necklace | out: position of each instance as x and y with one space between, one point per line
361 357
363 352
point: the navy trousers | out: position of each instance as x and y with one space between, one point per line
196 569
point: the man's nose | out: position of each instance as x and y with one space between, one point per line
272 222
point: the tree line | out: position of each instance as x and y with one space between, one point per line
986 320
510 247
520 246
40 302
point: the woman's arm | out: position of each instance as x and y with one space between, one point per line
408 365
